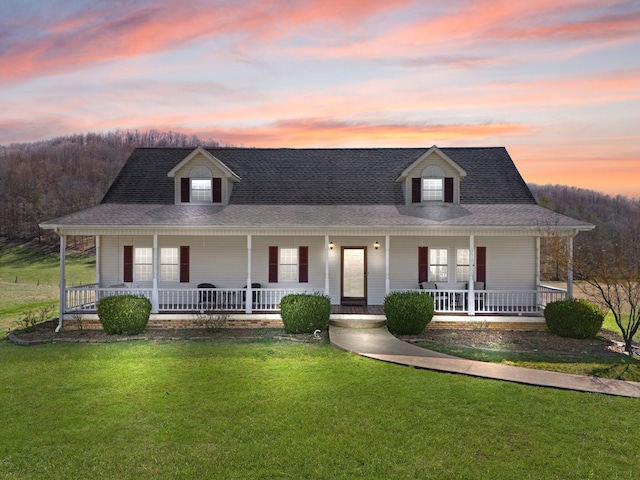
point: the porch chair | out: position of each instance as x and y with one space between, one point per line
255 295
437 298
209 299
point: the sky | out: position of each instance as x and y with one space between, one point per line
556 82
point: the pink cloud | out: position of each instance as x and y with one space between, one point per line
98 35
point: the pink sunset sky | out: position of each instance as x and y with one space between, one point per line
557 82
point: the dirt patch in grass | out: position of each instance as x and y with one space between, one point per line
45 333
606 343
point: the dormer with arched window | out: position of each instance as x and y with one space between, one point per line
202 179
433 178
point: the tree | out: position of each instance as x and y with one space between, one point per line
610 264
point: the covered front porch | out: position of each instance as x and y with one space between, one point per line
246 274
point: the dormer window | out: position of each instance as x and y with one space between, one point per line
201 187
432 186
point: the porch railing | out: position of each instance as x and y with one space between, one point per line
495 301
85 298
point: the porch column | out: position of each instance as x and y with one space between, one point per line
570 268
63 280
98 266
326 265
387 246
538 293
154 287
471 296
248 307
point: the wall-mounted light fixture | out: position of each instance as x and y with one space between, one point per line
331 245
376 244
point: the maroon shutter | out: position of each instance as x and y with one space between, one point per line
303 264
448 189
423 264
184 264
481 264
185 190
128 263
416 194
216 190
273 264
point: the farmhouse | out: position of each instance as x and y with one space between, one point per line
235 229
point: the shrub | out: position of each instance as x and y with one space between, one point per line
124 314
408 313
305 313
573 318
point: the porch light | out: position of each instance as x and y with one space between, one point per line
376 245
330 245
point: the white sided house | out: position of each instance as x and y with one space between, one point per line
236 229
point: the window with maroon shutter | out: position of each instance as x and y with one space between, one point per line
481 264
128 264
423 264
184 264
416 190
303 264
273 264
448 189
216 190
185 190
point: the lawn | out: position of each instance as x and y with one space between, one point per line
234 409
29 280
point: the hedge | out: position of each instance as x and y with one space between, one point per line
408 313
124 314
573 318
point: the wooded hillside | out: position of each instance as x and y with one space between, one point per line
48 179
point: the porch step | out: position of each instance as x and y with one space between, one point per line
357 322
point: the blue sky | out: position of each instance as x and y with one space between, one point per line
556 82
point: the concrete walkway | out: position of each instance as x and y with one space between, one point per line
378 343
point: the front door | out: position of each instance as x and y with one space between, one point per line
354 276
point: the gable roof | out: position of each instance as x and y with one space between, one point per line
214 161
320 176
441 154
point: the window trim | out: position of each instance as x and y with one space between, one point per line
138 264
464 277
175 277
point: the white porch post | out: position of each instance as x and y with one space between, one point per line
98 266
63 280
387 246
249 302
326 265
570 268
538 293
154 287
471 307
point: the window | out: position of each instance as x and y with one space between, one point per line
142 264
288 271
462 265
200 190
169 265
432 189
438 265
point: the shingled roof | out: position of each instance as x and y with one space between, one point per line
320 176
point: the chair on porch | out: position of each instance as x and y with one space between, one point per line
255 295
208 298
479 296
437 298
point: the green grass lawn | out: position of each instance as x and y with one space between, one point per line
29 280
245 410
610 324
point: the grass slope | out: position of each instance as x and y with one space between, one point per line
248 410
29 280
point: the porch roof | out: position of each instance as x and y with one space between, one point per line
381 217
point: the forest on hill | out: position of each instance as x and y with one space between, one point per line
44 180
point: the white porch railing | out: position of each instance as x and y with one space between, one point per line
85 298
495 301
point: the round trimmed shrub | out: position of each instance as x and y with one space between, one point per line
408 313
124 314
573 318
304 312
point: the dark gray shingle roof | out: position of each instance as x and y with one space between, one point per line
320 176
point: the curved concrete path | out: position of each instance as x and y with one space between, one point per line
378 343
